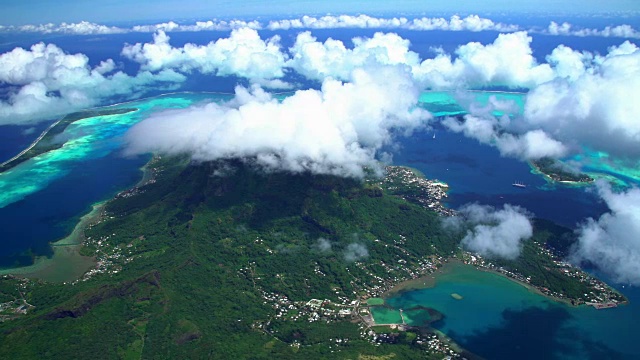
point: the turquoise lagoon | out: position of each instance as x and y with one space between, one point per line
501 319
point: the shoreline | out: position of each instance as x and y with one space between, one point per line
536 171
34 143
67 264
430 281
423 282
65 121
147 174
529 287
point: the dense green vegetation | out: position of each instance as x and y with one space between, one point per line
50 141
557 172
196 251
194 287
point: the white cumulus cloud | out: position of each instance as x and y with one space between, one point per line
587 101
612 242
209 25
80 28
508 61
567 29
336 130
455 23
492 232
318 60
242 54
44 81
472 23
594 104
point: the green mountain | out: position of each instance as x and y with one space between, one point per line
218 260
186 263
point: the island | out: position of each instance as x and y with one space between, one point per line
556 171
222 258
48 140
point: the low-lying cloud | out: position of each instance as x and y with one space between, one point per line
612 242
336 130
492 232
323 245
332 58
530 145
355 251
587 102
508 61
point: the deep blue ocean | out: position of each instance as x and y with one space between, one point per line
475 173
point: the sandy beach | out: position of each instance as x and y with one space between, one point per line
423 282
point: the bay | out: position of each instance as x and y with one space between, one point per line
498 318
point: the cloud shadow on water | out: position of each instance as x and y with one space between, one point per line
535 333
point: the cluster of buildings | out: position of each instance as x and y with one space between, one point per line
327 311
437 345
311 311
601 295
150 174
397 272
346 308
19 306
431 342
109 259
129 192
404 182
478 261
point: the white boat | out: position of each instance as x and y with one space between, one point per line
519 184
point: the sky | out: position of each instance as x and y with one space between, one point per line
20 12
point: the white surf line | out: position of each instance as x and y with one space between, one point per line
32 144
106 106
